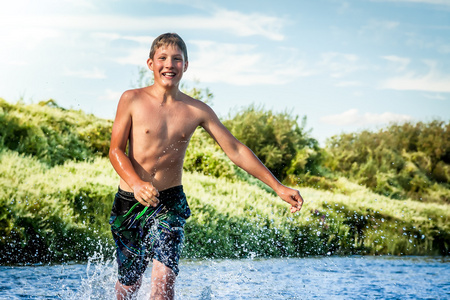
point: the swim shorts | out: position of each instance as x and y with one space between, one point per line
142 233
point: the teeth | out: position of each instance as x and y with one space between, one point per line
170 74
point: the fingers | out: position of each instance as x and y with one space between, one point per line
147 195
148 201
297 207
298 203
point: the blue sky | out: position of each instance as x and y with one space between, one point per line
346 65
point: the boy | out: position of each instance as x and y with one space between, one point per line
150 208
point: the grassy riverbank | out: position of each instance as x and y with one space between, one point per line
57 188
61 213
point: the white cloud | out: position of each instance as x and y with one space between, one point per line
20 37
383 24
378 25
348 84
110 95
109 37
95 73
44 6
237 64
433 81
80 3
136 56
439 2
242 64
354 117
25 31
435 96
445 49
344 7
249 24
400 62
339 65
378 30
241 24
18 40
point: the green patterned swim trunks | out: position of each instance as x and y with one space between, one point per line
143 233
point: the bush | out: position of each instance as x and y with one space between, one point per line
54 204
51 133
408 160
277 139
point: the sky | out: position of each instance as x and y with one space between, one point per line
346 65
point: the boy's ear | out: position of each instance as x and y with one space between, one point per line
185 66
150 64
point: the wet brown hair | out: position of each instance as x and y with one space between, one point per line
168 39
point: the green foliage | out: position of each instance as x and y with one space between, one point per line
61 214
277 139
203 155
408 160
145 78
204 95
56 190
297 160
52 134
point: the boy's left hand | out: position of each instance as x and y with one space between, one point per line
292 197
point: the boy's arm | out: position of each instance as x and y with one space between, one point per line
144 192
244 158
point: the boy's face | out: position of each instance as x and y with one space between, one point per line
168 66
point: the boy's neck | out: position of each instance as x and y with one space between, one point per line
165 95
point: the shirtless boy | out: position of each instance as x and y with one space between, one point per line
150 208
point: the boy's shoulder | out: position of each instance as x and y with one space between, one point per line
134 94
196 104
190 100
135 98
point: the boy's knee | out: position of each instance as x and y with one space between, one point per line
163 281
163 289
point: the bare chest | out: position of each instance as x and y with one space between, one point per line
162 125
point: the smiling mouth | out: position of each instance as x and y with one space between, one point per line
168 74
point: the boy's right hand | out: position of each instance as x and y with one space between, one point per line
146 194
292 197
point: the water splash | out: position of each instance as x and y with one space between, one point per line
97 282
321 277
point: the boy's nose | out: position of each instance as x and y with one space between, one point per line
169 63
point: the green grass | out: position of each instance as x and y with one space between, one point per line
60 213
52 213
53 134
361 222
57 188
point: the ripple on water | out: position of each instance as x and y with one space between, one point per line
325 277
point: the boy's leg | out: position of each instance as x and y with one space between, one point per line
163 282
124 292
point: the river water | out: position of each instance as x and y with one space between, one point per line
284 278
